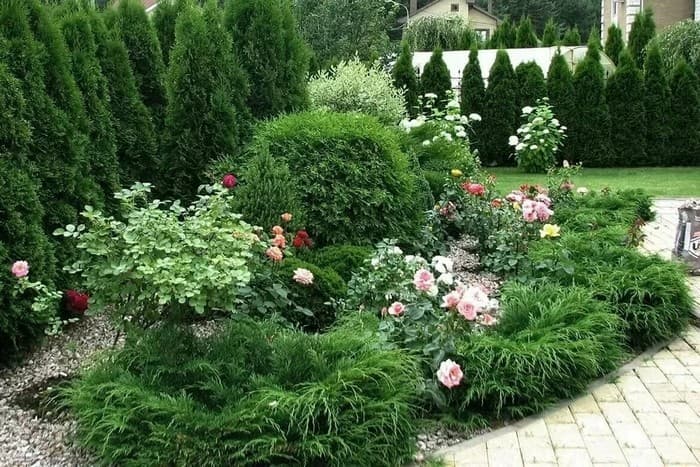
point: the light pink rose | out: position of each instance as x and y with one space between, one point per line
515 197
542 198
20 269
450 374
543 212
423 280
303 276
396 309
451 299
467 309
529 210
274 253
477 296
488 320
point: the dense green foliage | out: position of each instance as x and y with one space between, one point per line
271 52
684 116
680 40
343 259
572 37
656 107
405 78
614 43
504 36
531 84
525 35
643 30
268 395
164 20
560 90
550 36
436 78
589 136
447 32
500 116
625 98
473 94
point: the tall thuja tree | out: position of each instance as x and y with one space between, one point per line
164 19
271 52
134 28
531 84
643 30
472 91
656 102
505 35
625 97
405 78
436 78
550 36
560 90
135 134
684 112
51 149
525 35
614 43
501 113
202 114
102 150
571 37
589 136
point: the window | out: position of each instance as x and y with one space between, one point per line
454 7
614 5
482 34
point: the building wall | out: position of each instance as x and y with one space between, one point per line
444 7
668 12
478 20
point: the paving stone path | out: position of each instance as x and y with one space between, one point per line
648 415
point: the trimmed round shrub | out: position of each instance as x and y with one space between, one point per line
255 394
353 86
355 184
343 259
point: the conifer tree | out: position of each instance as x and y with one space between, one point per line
102 149
684 113
136 141
656 102
531 84
271 52
405 78
625 97
614 43
164 19
643 30
589 135
550 36
472 91
436 78
525 35
204 103
136 30
572 37
560 90
501 113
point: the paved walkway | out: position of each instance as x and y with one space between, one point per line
648 416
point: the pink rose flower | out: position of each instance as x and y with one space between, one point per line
279 241
396 309
543 212
478 296
303 276
274 253
286 217
450 374
475 189
467 309
488 320
515 197
20 269
451 299
529 210
277 230
543 198
229 181
423 280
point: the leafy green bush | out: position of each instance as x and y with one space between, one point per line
355 184
256 394
343 259
355 87
680 41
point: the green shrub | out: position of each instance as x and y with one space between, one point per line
355 184
572 37
405 78
560 90
256 394
436 78
614 45
531 84
550 344
501 111
473 93
505 35
550 36
657 94
164 20
355 87
643 30
525 35
447 32
343 259
684 115
680 40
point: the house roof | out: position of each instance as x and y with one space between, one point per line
470 4
150 4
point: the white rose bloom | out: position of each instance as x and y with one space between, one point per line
453 104
461 134
442 264
533 147
450 118
493 305
527 137
409 258
520 147
527 110
475 117
430 95
555 122
513 140
375 262
582 191
433 291
446 278
565 164
563 128
459 128
426 142
396 251
537 121
546 131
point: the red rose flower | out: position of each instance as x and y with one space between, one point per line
476 189
303 234
76 302
298 242
229 181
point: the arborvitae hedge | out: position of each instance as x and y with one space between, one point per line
560 90
531 84
589 135
436 78
405 78
684 112
643 30
136 30
102 148
473 93
571 37
625 97
505 35
501 111
614 43
164 20
550 36
271 52
203 119
525 35
656 107
136 139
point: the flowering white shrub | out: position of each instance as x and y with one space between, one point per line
453 125
538 139
353 87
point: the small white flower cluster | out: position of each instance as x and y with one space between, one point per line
540 136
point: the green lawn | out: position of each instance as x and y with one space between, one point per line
670 182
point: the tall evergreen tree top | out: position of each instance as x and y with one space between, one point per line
614 43
405 78
593 50
572 37
525 35
472 91
550 36
436 77
531 83
642 31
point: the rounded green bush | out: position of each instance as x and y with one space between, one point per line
355 184
254 394
343 259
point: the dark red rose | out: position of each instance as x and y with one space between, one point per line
229 181
297 242
76 302
303 234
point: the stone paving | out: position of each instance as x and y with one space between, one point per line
648 414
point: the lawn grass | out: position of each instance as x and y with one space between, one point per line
670 182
